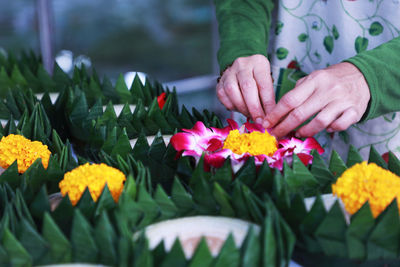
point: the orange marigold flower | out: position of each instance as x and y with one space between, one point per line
254 143
367 182
95 177
18 148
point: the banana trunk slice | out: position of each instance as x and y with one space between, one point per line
190 230
150 140
328 200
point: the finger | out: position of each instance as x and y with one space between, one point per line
349 117
250 95
291 100
223 98
324 118
232 91
300 81
299 115
265 88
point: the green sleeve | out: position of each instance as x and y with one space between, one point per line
243 28
381 69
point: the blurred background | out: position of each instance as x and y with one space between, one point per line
174 42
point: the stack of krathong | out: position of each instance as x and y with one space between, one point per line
241 143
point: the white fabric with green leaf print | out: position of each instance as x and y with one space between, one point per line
316 34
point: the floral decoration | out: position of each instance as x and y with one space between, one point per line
161 99
18 148
250 140
367 182
293 65
94 177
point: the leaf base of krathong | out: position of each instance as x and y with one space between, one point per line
366 241
305 258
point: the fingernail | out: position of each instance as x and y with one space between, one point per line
266 124
297 135
329 130
259 120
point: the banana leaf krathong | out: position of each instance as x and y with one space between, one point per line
324 238
92 129
35 125
27 72
30 182
160 187
101 232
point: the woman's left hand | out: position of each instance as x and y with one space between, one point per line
338 95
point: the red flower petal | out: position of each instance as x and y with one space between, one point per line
310 143
233 124
214 160
290 143
277 164
161 99
385 157
182 141
305 158
259 159
281 152
206 165
214 145
200 129
254 127
222 132
217 159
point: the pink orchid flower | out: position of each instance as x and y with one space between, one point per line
200 139
287 147
210 141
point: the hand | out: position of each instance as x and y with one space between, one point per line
246 86
338 95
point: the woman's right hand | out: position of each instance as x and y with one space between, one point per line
246 86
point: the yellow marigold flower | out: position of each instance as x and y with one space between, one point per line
95 177
18 148
254 143
367 182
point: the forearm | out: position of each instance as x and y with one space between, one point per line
381 69
243 28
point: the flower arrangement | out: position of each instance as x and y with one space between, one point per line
94 177
367 182
250 140
18 148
